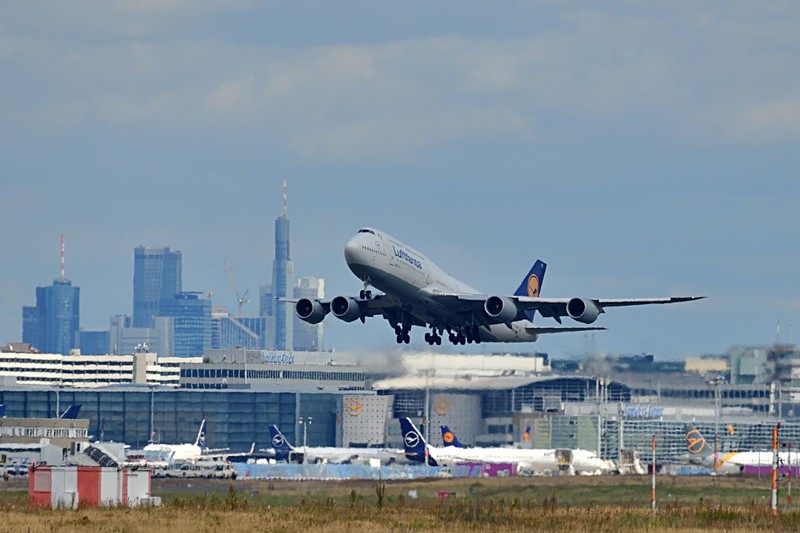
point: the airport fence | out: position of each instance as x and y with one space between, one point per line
333 472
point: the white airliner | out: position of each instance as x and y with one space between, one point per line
169 454
329 454
416 292
535 461
702 453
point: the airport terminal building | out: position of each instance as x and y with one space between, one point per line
344 399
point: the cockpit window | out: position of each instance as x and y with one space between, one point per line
365 230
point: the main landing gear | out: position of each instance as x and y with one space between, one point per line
365 293
402 333
467 335
433 338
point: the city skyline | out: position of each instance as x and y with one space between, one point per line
640 149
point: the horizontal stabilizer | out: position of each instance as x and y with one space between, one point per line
540 331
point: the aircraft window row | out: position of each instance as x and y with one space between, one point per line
373 250
365 230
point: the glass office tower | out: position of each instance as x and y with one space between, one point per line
156 281
53 325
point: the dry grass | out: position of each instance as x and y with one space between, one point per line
541 504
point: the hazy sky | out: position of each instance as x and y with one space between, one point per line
640 148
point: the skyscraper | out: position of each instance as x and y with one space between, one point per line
52 326
282 281
191 323
156 280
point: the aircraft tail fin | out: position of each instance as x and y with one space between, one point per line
696 444
414 444
279 443
532 283
200 441
72 412
449 438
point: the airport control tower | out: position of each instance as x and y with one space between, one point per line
282 282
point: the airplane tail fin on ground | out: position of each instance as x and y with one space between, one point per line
696 444
72 412
279 443
532 284
414 443
449 438
200 441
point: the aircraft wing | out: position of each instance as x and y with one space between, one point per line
548 307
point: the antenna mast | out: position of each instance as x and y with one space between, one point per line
284 198
62 258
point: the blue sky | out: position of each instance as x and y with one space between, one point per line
639 148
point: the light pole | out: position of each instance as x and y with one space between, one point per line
305 422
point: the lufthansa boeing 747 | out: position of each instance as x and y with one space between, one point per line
416 292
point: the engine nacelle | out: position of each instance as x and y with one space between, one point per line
310 311
345 308
583 310
500 308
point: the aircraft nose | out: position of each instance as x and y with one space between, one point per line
352 250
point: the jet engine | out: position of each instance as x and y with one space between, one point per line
501 309
310 311
345 308
583 310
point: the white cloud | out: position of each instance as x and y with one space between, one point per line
698 72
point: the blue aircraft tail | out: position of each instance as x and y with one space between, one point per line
200 441
2 410
414 443
279 443
532 284
72 412
449 438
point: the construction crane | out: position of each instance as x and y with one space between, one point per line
241 299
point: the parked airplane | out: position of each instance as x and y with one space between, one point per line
416 292
170 453
702 453
313 454
532 460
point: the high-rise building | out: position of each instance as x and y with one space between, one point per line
156 280
231 332
308 337
191 323
52 325
282 281
94 342
125 340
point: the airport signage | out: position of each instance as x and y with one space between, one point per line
644 412
277 358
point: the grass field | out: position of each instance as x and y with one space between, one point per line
575 504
